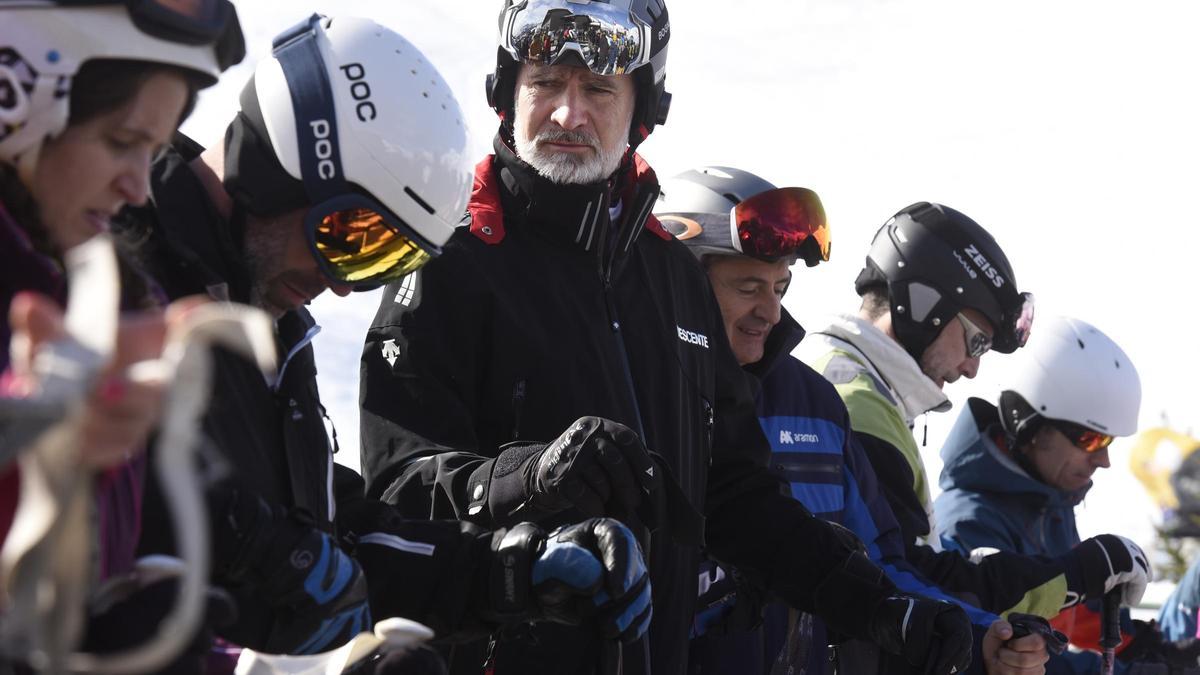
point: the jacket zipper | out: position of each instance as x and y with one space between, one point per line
518 403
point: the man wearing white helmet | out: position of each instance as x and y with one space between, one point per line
337 176
1015 471
590 374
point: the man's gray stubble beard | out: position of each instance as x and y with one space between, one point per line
567 169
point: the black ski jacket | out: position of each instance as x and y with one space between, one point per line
543 311
272 435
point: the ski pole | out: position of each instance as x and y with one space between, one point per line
1110 628
612 656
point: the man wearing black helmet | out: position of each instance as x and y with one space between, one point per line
590 374
747 234
938 293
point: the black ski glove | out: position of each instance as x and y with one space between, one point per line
598 466
1099 564
1149 646
933 636
300 593
592 572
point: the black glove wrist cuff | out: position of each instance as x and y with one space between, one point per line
843 595
512 569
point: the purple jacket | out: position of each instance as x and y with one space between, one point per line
118 490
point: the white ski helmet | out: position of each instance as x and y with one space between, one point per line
346 118
1072 372
44 44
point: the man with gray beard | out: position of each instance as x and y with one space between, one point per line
565 357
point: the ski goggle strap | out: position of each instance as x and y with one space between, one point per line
191 22
1088 440
606 39
777 223
355 239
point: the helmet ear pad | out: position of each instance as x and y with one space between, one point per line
1019 420
254 177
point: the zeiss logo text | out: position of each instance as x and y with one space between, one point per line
693 338
984 266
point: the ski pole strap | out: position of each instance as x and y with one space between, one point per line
1029 624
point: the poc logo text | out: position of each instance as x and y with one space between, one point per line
360 91
323 148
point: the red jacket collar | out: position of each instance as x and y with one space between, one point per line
487 214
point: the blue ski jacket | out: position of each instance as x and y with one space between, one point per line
815 451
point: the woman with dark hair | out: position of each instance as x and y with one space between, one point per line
89 94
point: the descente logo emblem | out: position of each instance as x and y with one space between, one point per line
692 338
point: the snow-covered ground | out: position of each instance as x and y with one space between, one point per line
1067 128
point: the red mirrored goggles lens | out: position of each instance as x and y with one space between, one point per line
1083 438
782 222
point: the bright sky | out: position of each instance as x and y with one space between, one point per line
1071 130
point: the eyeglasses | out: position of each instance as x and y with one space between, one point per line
607 39
978 342
1088 440
357 242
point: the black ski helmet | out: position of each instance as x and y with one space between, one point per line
646 21
936 262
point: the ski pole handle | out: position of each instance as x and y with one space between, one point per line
1110 631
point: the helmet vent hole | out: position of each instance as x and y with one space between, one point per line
733 199
425 94
413 71
420 202
1081 345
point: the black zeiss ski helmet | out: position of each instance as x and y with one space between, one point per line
583 36
936 262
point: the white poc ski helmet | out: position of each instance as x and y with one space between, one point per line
347 117
1071 371
44 44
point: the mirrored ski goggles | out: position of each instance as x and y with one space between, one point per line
358 242
192 22
1023 320
978 341
1088 440
777 223
607 39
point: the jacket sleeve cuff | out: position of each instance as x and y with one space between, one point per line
499 486
846 598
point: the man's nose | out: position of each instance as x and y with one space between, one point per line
569 112
341 290
970 367
770 309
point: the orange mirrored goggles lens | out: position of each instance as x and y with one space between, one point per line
777 223
358 246
1083 438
